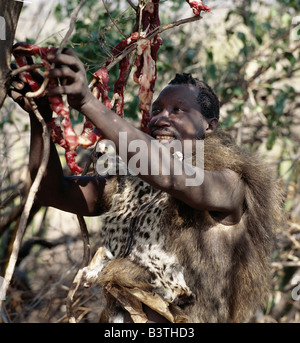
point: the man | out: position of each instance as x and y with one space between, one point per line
203 235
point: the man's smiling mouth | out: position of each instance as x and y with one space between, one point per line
160 137
164 138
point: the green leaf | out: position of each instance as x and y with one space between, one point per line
280 101
242 37
271 140
58 12
286 19
238 91
229 14
290 57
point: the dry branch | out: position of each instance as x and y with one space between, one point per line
64 42
28 205
132 5
10 11
25 68
153 33
35 186
112 19
73 19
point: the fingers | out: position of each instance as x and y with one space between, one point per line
68 58
19 85
16 96
71 82
73 77
20 99
62 73
60 90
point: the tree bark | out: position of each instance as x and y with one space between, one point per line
9 16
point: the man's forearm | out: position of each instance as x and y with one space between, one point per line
53 175
112 125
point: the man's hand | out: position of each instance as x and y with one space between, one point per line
19 89
72 77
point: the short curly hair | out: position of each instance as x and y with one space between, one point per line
207 98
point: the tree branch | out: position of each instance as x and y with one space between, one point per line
28 205
132 5
73 19
263 69
35 186
9 11
63 43
26 68
177 23
112 19
153 33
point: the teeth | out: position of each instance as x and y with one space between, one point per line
164 137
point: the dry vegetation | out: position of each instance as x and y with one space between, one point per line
52 247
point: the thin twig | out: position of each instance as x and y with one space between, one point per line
64 42
177 23
40 91
263 69
153 33
35 186
73 20
125 52
85 260
132 5
86 243
140 16
28 205
285 264
25 68
112 19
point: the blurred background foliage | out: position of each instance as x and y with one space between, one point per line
248 51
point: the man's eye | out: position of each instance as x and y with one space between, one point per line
155 112
178 110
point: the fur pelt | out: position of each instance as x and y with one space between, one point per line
226 267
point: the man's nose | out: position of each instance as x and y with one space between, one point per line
163 119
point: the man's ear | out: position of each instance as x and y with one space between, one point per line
212 124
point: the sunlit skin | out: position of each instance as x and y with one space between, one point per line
176 113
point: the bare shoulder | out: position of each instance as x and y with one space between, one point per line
227 196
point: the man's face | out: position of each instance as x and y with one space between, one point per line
176 115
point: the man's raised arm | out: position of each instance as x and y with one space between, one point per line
80 195
221 192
